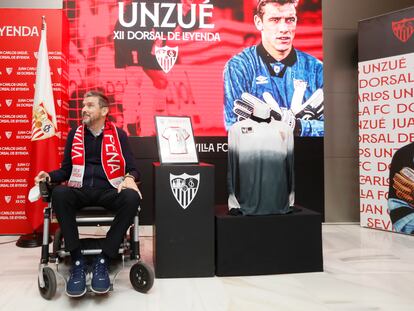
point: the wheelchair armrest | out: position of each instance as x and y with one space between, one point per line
46 188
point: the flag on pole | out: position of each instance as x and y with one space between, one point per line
44 153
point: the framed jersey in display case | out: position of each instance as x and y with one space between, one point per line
175 140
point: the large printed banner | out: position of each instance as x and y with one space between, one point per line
386 121
168 57
20 31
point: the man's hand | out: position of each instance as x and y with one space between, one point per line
129 183
42 176
404 184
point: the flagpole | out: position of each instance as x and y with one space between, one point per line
34 239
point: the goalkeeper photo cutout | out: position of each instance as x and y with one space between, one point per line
274 73
401 190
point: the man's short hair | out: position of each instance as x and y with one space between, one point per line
261 4
103 100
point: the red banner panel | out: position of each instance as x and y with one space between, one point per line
20 31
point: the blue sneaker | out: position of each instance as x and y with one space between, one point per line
76 285
100 276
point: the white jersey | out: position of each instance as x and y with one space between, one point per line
260 167
177 138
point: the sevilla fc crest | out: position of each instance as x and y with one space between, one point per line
184 187
403 29
42 123
166 57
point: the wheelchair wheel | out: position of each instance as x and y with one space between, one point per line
141 277
49 290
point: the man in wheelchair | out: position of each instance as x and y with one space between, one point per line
99 169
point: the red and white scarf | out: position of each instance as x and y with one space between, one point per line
112 159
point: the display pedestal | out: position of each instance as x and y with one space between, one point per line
184 227
272 244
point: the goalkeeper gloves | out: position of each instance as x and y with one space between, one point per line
312 109
404 184
243 108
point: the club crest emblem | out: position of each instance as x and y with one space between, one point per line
184 188
7 166
277 69
166 57
9 102
7 198
42 123
8 134
9 70
403 29
59 71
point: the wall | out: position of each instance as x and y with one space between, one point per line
340 22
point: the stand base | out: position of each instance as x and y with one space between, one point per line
31 240
270 244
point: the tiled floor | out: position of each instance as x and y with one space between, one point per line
364 270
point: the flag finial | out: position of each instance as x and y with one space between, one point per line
43 22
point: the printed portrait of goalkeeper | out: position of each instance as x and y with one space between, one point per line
401 190
275 73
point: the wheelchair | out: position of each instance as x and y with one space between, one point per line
141 275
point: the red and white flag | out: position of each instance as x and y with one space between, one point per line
44 153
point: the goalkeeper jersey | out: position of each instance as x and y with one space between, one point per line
260 167
255 71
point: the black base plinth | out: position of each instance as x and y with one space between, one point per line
184 236
272 244
31 240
